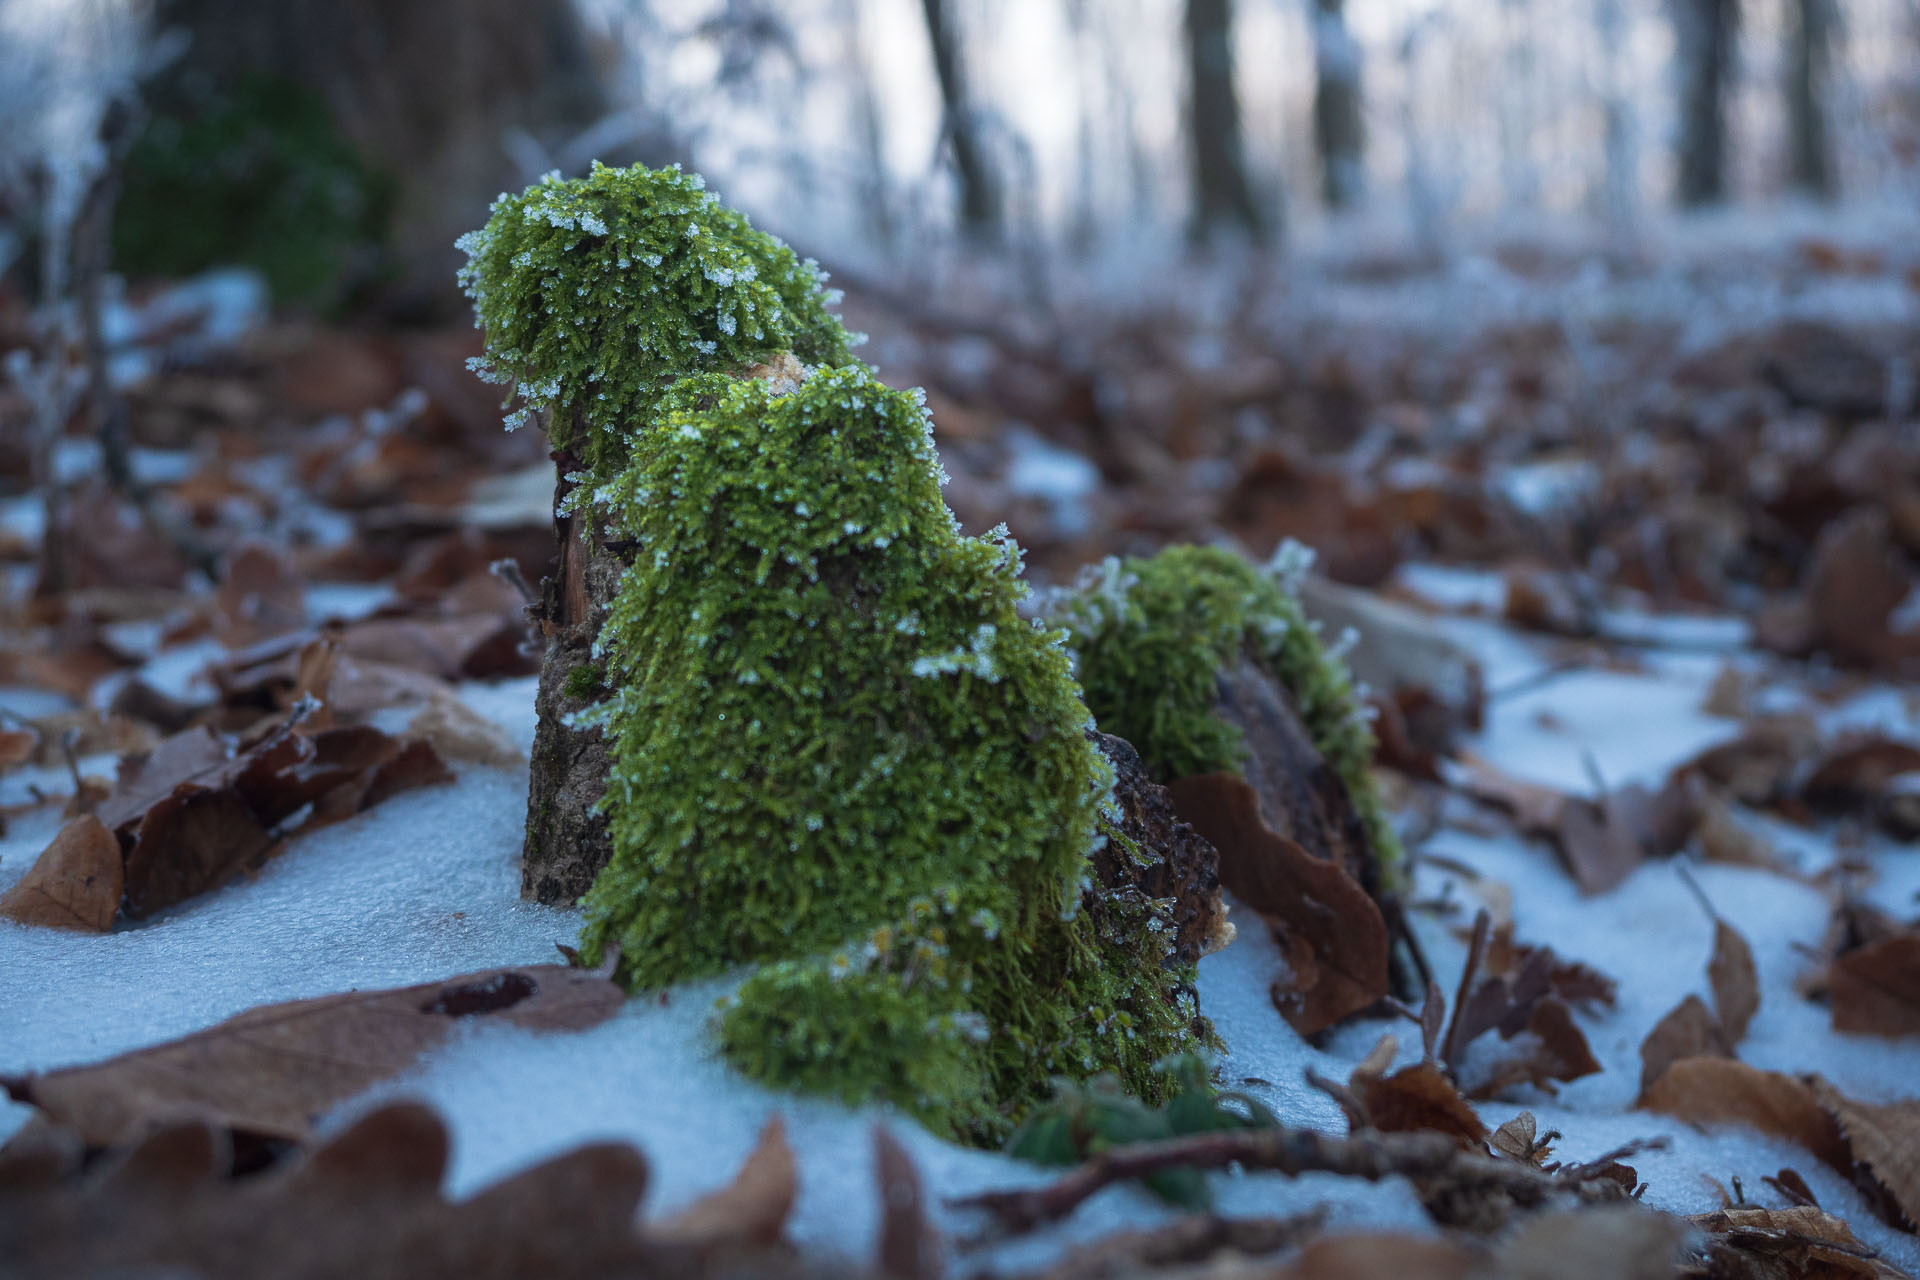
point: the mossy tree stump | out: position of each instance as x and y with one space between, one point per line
789 715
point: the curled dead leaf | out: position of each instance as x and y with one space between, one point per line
1331 932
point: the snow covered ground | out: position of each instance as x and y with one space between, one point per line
426 886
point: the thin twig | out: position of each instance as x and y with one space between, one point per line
1369 1154
1476 953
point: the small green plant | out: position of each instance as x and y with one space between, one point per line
1151 636
1082 1120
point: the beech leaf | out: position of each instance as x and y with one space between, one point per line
75 883
272 1071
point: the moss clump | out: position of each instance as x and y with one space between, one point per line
1152 635
840 751
583 683
597 293
252 173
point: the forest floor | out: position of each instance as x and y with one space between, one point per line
1633 545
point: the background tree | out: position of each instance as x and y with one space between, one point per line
1338 130
1809 31
1704 42
981 198
428 101
1222 195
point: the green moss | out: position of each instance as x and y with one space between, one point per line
583 682
597 293
252 173
840 751
1082 1120
1150 637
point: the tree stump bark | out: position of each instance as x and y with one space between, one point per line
567 841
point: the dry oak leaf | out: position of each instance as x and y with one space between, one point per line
74 884
272 1071
1875 988
750 1211
1886 1147
368 1204
1331 932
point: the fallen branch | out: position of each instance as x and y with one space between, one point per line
1369 1154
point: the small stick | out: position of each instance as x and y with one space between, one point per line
1369 1154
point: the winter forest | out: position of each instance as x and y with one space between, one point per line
1050 639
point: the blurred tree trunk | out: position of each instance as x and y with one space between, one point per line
876 196
427 91
1809 45
1222 195
1338 130
1704 34
980 196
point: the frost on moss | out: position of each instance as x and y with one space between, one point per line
1150 637
597 292
839 751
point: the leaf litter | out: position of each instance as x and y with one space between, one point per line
1789 800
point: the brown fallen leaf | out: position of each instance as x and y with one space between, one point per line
1855 583
1604 1242
194 840
1331 932
909 1244
1735 981
1710 1091
1797 1243
272 1071
259 598
1369 1257
1875 987
1415 1098
201 809
1885 1140
751 1210
17 747
75 883
1601 841
1513 988
1689 1030
1225 1247
1521 1139
1557 1050
367 1204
